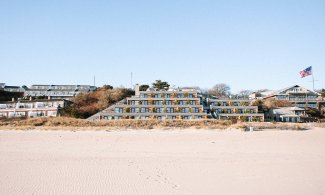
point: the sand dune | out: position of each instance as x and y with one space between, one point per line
162 162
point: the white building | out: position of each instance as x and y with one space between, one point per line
58 91
25 108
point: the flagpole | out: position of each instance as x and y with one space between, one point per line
313 81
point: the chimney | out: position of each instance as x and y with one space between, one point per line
137 90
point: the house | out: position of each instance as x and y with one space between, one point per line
30 108
299 97
239 109
156 104
57 91
287 114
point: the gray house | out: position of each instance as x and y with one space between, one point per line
287 114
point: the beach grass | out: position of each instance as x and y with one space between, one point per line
48 123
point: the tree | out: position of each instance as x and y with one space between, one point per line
260 105
107 87
87 104
322 92
220 90
245 93
272 103
144 87
258 93
160 84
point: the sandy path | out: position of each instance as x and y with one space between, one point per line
162 162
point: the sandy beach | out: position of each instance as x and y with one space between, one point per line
162 162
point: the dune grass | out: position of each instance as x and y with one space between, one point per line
62 123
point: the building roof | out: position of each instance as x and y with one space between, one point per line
65 85
287 110
11 87
33 101
282 91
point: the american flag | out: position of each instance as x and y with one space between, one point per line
306 72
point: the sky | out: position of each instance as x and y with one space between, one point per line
245 44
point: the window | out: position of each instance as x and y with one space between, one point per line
301 105
281 97
118 110
311 105
311 97
142 95
143 110
134 110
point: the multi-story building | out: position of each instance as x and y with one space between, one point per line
7 88
57 91
28 108
299 97
240 109
156 104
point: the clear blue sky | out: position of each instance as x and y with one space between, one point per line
246 44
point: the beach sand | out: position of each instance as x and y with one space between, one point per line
162 162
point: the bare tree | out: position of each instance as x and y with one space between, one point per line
220 90
245 93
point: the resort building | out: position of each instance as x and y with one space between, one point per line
287 114
4 87
238 109
156 104
300 97
57 91
26 108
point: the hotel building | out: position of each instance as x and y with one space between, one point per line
234 109
27 108
57 91
156 104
